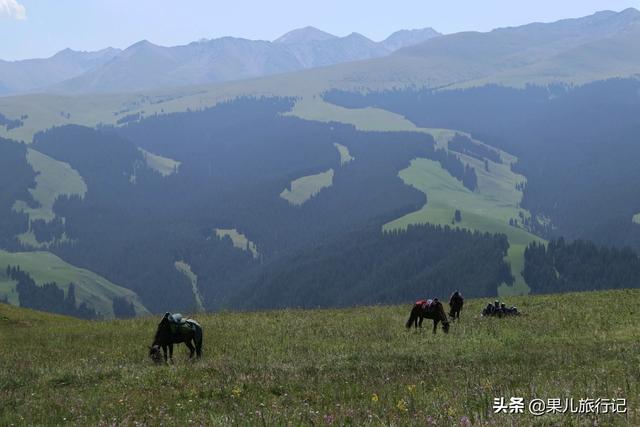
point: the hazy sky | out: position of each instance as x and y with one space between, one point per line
39 28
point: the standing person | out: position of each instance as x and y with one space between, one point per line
456 301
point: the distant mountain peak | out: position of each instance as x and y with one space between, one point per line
630 14
68 52
142 43
355 35
419 31
404 38
631 11
304 35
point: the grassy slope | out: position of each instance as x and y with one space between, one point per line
163 165
238 240
355 366
304 188
96 291
55 178
185 269
345 155
487 209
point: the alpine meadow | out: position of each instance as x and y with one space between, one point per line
230 222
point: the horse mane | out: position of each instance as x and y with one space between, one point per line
160 332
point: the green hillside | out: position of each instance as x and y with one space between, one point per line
55 178
163 165
489 208
355 366
304 188
95 290
239 240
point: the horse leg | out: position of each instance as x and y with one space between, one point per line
171 352
419 321
164 352
435 324
191 348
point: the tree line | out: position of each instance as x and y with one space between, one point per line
580 265
368 266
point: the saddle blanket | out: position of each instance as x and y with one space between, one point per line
424 303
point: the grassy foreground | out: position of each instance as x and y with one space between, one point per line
353 366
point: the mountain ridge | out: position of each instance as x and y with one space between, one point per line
145 65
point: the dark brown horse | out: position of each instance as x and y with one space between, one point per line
428 309
172 329
455 305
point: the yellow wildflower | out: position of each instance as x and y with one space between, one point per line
236 392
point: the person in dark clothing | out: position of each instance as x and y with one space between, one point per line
456 301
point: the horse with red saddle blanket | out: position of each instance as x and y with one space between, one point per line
428 309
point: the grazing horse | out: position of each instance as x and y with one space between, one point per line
173 329
429 309
455 304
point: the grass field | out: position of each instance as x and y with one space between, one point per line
355 366
304 188
95 290
487 209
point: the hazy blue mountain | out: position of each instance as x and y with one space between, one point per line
531 40
30 74
304 35
404 38
145 66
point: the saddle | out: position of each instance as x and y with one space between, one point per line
425 303
177 322
176 318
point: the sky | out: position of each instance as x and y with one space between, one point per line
40 28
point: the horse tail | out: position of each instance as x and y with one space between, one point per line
197 337
413 316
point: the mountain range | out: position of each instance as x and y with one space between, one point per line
579 50
30 74
144 65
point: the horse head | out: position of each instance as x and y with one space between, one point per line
443 317
154 353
